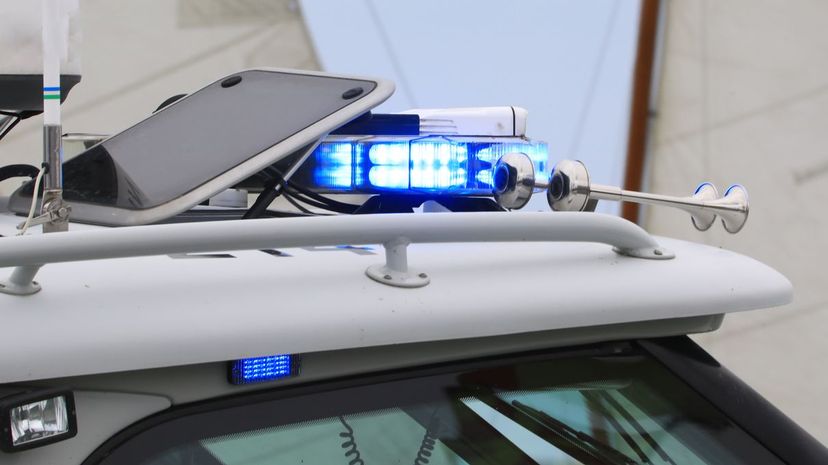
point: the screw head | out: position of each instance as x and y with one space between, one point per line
388 277
423 275
658 252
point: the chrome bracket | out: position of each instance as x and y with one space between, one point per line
395 271
55 214
21 281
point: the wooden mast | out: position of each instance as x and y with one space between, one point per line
640 104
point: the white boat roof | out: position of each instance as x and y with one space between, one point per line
135 313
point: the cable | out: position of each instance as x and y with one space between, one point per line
402 80
294 194
332 204
293 202
34 200
324 204
350 445
18 171
593 81
426 448
429 440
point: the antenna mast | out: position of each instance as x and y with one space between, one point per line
54 212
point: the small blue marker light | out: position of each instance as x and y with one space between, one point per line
260 369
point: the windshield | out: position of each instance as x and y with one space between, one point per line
586 407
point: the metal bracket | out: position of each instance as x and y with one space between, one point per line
55 213
21 281
395 271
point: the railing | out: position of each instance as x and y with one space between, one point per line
394 231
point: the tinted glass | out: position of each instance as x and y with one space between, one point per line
589 407
201 137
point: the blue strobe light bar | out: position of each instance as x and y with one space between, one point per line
422 165
260 369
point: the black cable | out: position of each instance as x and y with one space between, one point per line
301 198
293 193
323 202
18 171
293 202
265 198
350 444
347 207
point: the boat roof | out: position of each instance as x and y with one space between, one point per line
112 315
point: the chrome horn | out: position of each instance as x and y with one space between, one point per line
569 189
514 180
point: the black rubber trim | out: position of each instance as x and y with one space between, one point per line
738 401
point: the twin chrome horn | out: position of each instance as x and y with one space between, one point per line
569 189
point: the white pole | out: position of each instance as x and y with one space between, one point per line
53 46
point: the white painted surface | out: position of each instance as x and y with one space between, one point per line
569 63
473 121
126 314
744 99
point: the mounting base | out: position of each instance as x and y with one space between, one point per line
21 281
395 271
410 279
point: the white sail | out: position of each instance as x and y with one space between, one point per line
743 98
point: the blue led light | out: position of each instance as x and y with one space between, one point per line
435 165
392 153
392 177
538 152
334 165
258 369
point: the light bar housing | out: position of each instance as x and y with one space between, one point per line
431 165
36 418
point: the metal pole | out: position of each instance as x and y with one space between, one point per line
54 44
600 192
53 181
